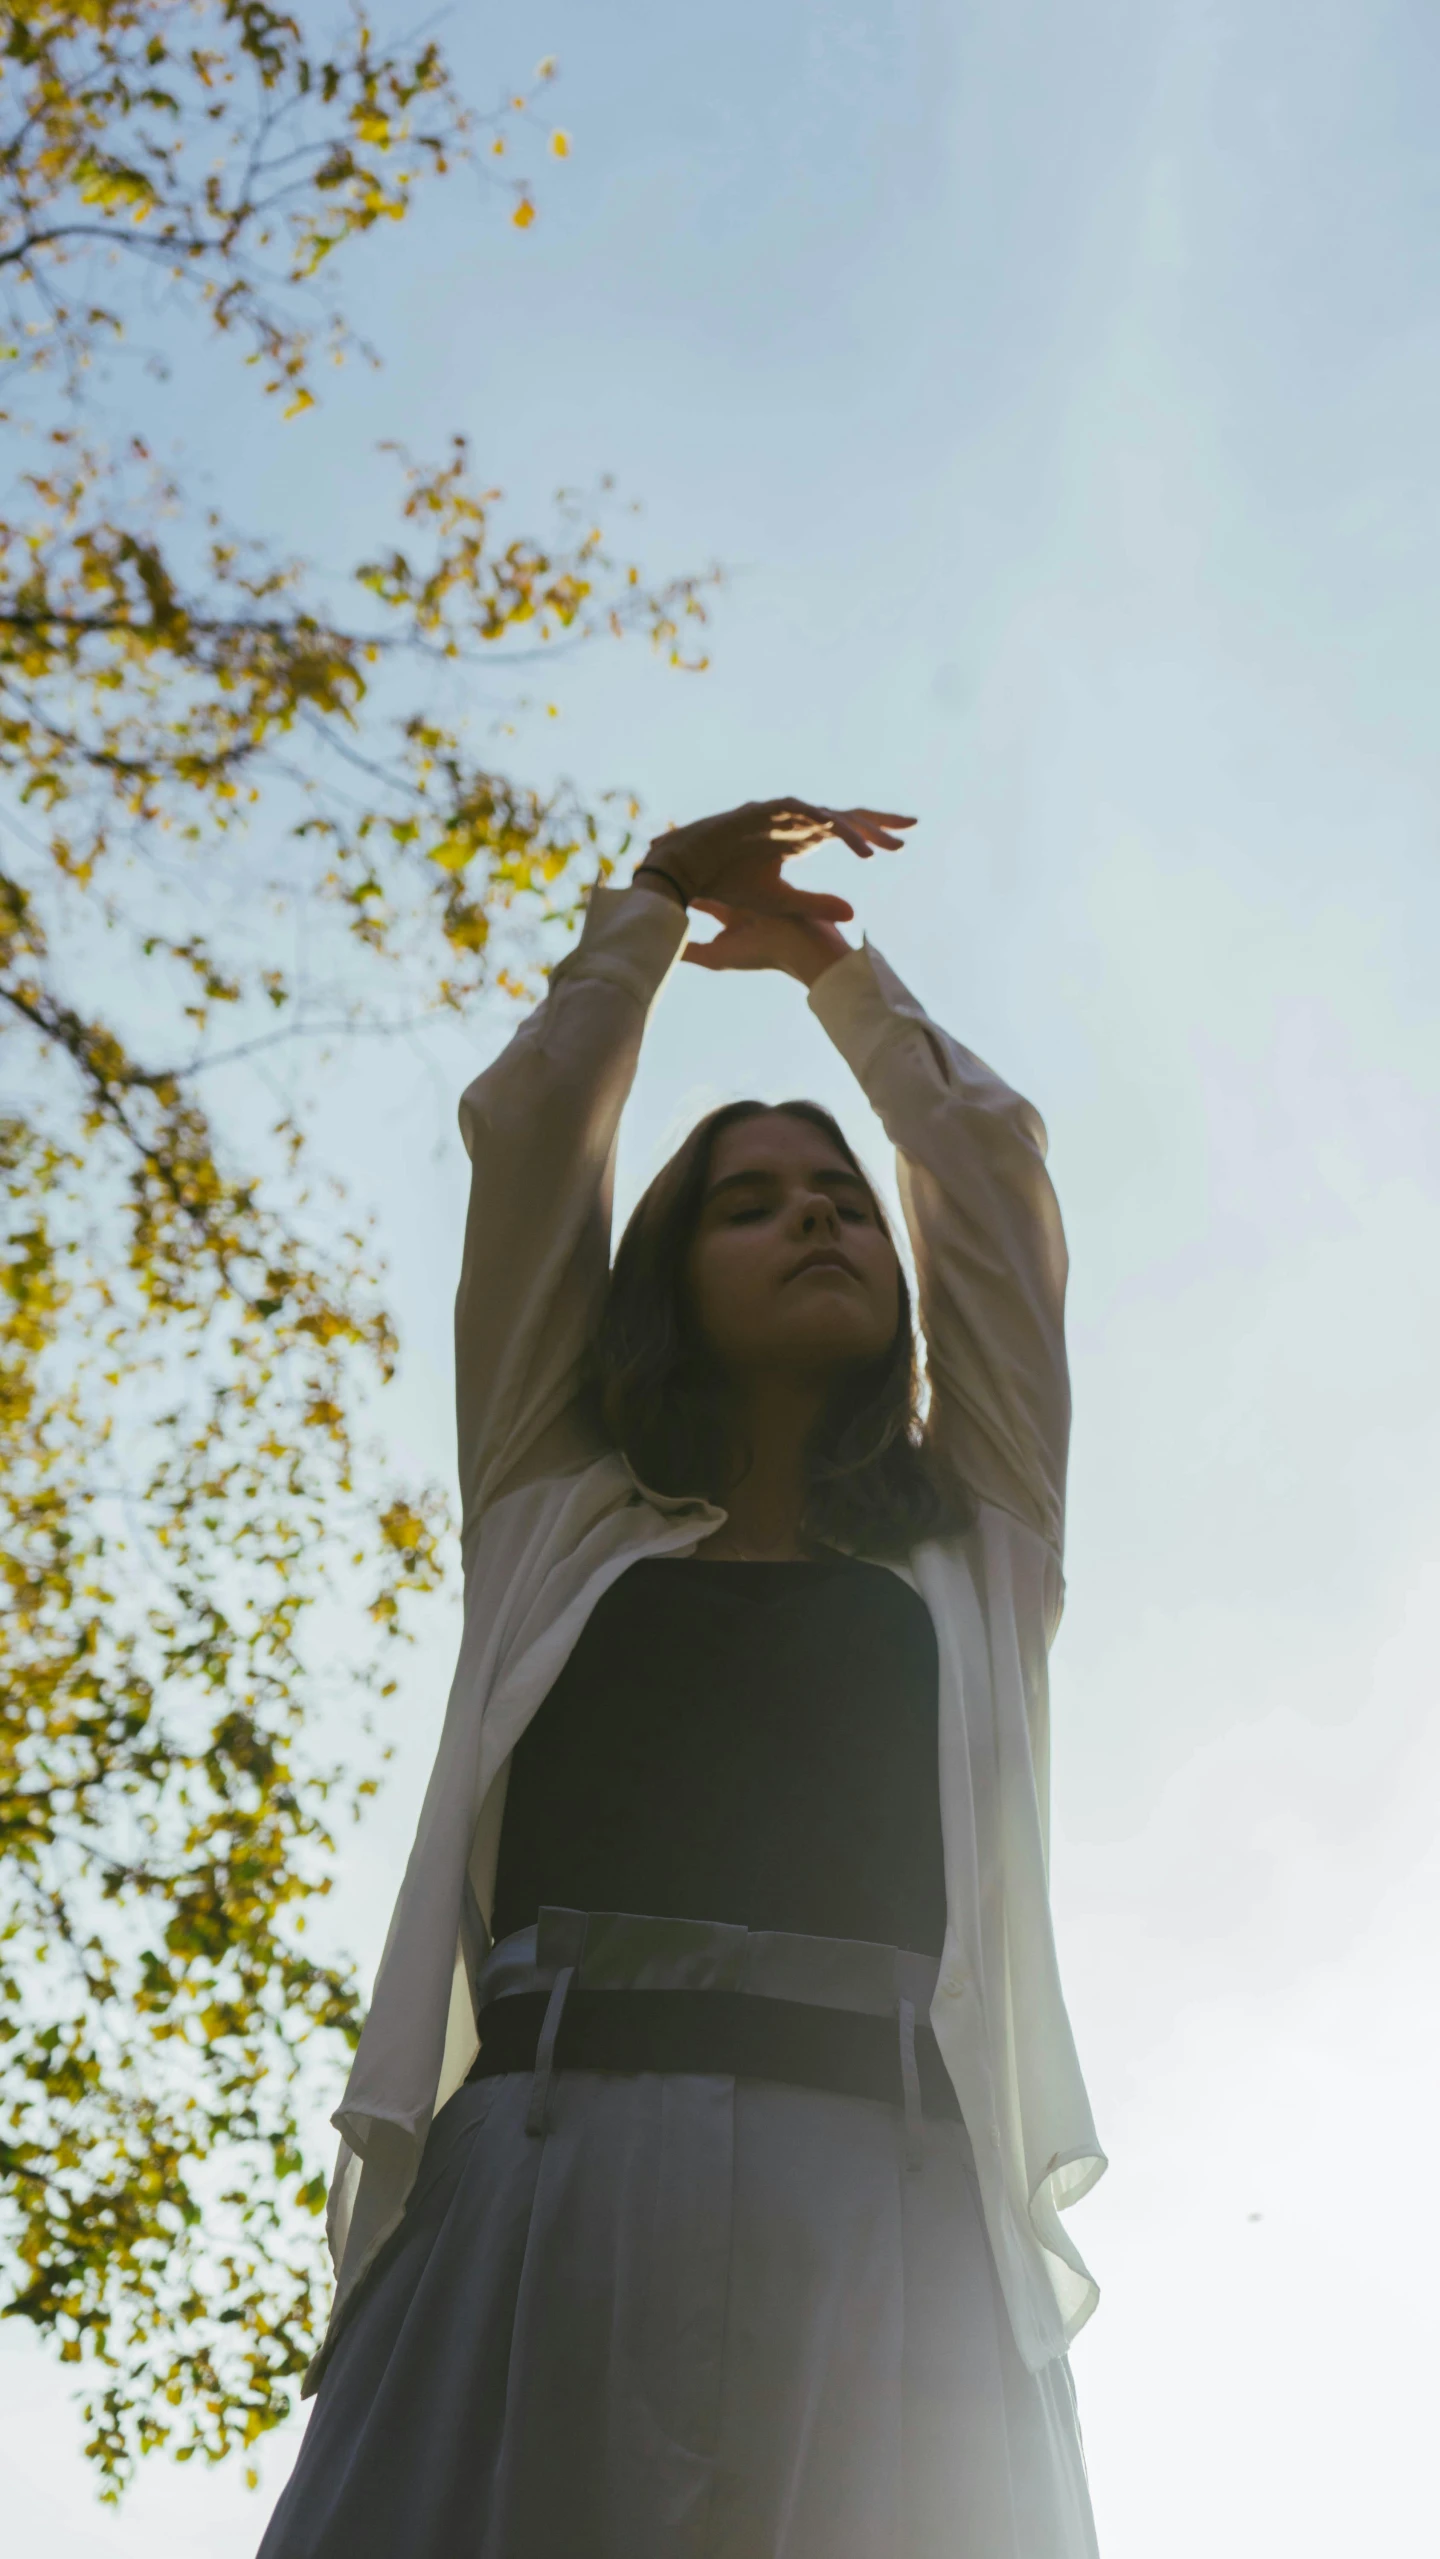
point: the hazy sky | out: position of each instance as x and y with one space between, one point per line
1060 385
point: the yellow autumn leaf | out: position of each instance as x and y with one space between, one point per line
452 853
524 214
114 188
560 144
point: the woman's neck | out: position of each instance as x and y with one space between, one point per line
774 1420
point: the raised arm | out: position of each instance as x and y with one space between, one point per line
983 1219
541 1127
989 1247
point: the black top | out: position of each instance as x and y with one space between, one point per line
746 1742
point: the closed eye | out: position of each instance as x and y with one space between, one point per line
849 1197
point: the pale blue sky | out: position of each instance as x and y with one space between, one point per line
1061 385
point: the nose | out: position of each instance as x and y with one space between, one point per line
818 1215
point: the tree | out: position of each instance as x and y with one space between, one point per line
189 1336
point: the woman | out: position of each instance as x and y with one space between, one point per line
738 2235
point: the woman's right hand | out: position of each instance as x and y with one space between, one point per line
737 856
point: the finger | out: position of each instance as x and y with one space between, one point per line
801 823
735 921
796 834
779 841
724 910
794 821
855 832
777 812
868 820
782 898
793 906
775 897
843 829
826 908
875 829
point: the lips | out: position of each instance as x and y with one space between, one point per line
824 1262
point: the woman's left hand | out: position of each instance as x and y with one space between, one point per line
799 945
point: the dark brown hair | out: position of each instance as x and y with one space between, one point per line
874 1486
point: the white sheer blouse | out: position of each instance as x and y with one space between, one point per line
550 1518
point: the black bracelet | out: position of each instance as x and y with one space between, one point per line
658 868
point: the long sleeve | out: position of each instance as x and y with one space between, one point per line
541 1127
985 1228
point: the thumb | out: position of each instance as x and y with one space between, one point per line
732 949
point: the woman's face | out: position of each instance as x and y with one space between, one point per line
790 1267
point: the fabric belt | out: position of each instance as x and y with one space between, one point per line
618 1991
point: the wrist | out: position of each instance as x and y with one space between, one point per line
825 947
659 881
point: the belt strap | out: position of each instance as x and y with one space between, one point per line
537 2113
910 2078
715 2031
